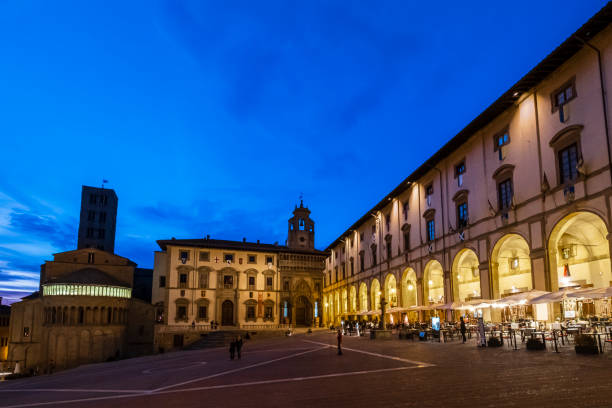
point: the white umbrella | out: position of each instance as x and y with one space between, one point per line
521 298
552 297
592 293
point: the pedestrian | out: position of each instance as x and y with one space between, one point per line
239 346
193 325
462 327
339 342
232 349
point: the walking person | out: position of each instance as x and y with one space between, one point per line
232 349
239 346
462 328
339 342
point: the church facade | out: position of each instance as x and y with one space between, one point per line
237 284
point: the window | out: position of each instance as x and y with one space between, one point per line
92 199
90 232
202 312
361 236
429 194
388 222
181 313
373 255
389 248
102 217
406 240
101 233
317 287
183 256
459 172
561 97
91 216
251 312
431 230
252 259
204 256
568 163
269 283
373 229
203 279
336 272
343 270
462 215
183 280
351 242
26 332
500 141
361 261
352 267
269 259
103 199
162 281
268 313
91 258
228 281
251 282
405 209
229 258
505 194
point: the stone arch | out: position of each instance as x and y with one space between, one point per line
363 297
409 288
344 300
511 266
466 276
433 283
375 294
579 251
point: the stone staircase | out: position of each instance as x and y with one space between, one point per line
213 339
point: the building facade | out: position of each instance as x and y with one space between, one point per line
98 219
237 284
518 200
83 313
5 318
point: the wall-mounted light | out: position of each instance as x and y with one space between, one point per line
410 287
430 282
514 263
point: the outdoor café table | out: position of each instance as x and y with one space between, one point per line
598 339
539 333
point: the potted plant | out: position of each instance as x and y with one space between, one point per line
535 344
585 344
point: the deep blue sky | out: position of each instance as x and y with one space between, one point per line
213 117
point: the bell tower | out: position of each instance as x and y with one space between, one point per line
301 228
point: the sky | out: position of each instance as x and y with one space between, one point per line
212 118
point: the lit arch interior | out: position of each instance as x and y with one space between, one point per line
409 288
344 307
433 283
466 276
375 294
353 299
579 252
391 290
511 266
363 297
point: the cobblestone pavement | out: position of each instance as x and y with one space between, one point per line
305 371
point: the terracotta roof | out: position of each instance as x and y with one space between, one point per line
236 245
548 65
88 276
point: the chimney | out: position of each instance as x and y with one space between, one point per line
243 239
258 241
208 237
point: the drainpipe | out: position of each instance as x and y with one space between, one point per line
603 99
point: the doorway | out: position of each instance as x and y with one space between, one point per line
227 313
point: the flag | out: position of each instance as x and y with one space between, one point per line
566 272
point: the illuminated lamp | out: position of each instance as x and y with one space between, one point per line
410 287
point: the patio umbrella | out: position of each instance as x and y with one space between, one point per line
592 293
552 297
449 306
521 298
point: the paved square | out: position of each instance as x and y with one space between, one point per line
305 371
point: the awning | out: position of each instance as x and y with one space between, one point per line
520 298
554 296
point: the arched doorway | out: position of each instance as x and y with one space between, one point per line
363 297
466 276
580 252
227 313
344 309
433 283
303 311
511 266
409 288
